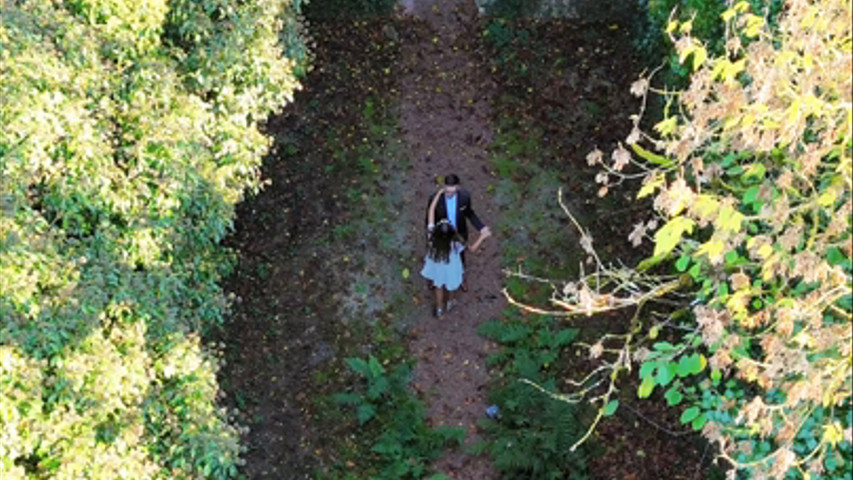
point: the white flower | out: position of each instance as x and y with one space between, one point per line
621 157
594 157
633 137
596 350
636 235
639 87
586 244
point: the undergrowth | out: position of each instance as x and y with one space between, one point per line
532 434
394 441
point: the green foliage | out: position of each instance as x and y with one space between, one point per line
347 9
129 131
528 349
511 9
765 174
400 445
706 25
533 435
534 432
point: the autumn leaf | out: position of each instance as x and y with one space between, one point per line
670 234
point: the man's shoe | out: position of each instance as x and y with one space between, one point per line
438 312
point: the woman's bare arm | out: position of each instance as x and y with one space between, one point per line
431 214
484 234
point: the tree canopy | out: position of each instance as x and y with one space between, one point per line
129 131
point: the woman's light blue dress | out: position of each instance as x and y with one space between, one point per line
445 274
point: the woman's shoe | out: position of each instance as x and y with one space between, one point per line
450 305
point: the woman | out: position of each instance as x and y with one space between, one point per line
443 265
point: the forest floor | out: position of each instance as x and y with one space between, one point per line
329 252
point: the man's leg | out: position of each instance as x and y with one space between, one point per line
464 286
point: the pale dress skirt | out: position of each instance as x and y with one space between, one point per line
445 274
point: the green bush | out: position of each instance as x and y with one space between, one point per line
347 9
706 26
401 445
751 181
534 433
129 131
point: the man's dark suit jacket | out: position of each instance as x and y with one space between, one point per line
463 211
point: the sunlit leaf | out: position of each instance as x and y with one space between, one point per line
670 234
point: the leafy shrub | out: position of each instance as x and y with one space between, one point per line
401 444
534 433
766 146
705 25
510 9
347 9
129 131
752 207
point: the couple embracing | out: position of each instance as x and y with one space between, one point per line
447 237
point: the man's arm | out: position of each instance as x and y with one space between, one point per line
472 216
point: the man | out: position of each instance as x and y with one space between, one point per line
457 201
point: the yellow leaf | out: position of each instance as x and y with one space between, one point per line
653 183
728 15
737 303
713 248
666 126
753 25
670 234
732 69
406 273
654 331
731 122
741 6
729 219
793 110
767 269
827 198
765 251
705 206
672 26
686 51
686 27
770 124
720 68
699 57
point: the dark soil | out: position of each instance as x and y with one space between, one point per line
296 261
317 277
446 120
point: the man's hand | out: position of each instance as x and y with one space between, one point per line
484 234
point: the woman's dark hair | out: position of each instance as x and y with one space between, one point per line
442 237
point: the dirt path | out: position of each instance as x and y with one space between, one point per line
445 119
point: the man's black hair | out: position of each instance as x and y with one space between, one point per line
451 180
